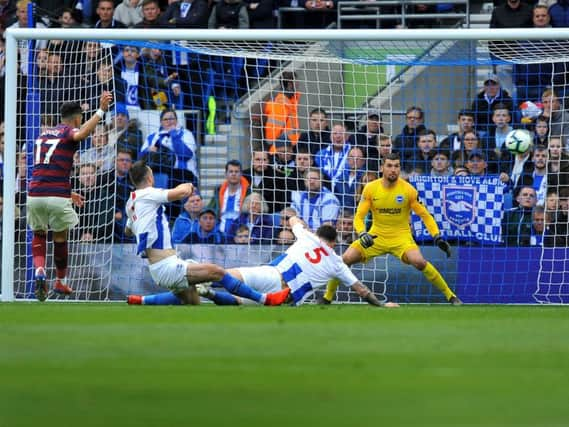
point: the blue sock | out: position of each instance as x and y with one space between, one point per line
239 288
224 298
165 298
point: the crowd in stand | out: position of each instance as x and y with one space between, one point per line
317 174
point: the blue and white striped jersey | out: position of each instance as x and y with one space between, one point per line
147 220
309 264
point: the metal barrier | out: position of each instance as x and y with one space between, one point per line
371 11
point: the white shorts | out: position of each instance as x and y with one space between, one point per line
170 273
264 279
50 213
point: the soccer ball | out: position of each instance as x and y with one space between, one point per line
518 141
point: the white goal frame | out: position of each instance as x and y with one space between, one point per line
12 37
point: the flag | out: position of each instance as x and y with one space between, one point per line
467 208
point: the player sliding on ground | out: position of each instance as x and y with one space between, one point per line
49 201
149 224
390 200
308 264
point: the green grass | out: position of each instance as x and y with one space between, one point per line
114 365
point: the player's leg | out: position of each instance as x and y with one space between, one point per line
414 257
199 273
62 217
354 254
60 259
38 219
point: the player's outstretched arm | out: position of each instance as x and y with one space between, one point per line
89 126
180 192
364 292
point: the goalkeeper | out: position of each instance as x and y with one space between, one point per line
390 200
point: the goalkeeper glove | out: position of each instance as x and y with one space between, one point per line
442 244
366 239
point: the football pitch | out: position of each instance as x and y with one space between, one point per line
117 365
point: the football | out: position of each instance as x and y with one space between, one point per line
518 141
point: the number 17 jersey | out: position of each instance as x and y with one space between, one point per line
53 162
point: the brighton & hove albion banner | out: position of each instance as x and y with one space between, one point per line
465 207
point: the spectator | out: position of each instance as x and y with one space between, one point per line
317 205
476 163
188 221
7 13
539 179
538 227
559 12
157 78
285 237
180 142
557 166
123 190
491 95
186 14
367 135
304 161
130 79
541 135
532 79
284 216
150 15
283 158
261 13
129 12
177 97
70 18
101 80
254 215
56 87
554 113
96 215
229 14
22 22
440 163
125 132
229 196
470 142
318 135
263 179
517 222
207 231
281 112
406 141
105 11
496 139
101 153
465 121
376 154
512 14
345 226
347 183
321 13
332 159
242 235
420 158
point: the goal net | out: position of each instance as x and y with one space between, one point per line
268 126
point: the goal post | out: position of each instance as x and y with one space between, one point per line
351 74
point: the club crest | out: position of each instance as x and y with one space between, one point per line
459 205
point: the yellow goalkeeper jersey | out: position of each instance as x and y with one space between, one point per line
391 209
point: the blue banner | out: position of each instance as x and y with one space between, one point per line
467 208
